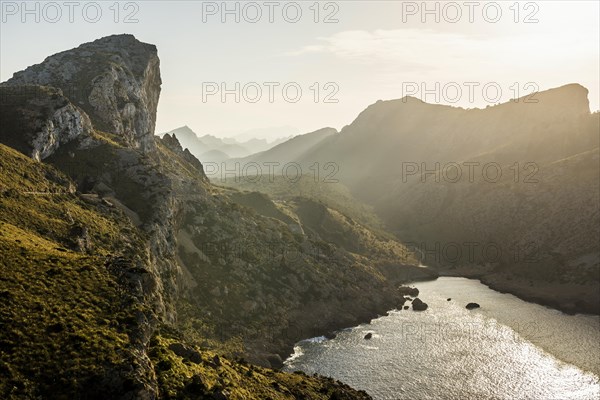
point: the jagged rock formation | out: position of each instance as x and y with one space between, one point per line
173 144
116 80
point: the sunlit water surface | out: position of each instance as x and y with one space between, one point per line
507 349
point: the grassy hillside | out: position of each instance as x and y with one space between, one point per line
64 307
334 194
72 321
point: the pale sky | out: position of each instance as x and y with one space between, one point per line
368 50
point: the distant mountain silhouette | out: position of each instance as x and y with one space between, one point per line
209 148
291 150
273 133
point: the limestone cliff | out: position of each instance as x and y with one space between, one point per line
46 119
115 80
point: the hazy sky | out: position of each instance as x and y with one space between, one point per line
356 53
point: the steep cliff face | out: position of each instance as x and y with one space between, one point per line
40 119
115 80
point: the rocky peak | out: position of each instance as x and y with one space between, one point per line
172 142
566 101
115 80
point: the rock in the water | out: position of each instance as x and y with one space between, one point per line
330 335
448 299
406 307
419 305
368 336
471 306
408 291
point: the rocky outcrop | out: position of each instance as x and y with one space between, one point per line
186 352
570 298
37 120
330 335
408 291
172 143
115 80
419 305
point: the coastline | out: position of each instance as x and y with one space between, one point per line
569 298
351 319
566 297
507 312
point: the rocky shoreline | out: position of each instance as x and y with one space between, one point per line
329 330
566 297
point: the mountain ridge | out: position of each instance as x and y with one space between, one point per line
209 148
438 174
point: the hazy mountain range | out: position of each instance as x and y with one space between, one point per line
269 133
210 148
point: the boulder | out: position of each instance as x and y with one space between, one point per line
330 335
471 306
216 360
368 336
196 384
408 291
218 395
419 305
275 361
185 352
80 239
